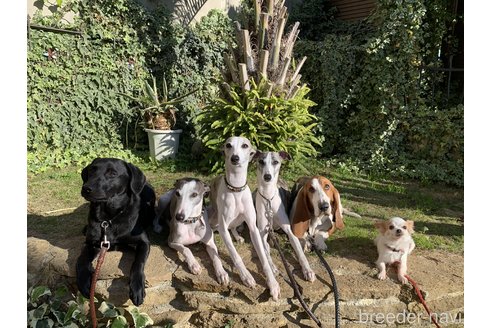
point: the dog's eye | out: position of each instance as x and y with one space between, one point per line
111 173
391 227
405 227
312 190
178 194
244 146
193 195
327 187
261 162
228 145
275 162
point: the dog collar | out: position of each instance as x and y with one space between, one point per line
268 208
234 189
394 249
193 219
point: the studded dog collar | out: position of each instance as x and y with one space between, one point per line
234 189
193 219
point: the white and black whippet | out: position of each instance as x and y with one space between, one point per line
182 209
272 200
233 204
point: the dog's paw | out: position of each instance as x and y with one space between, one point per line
382 275
403 279
137 291
222 277
195 268
309 275
239 239
84 283
274 290
248 279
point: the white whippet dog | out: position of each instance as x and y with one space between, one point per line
271 197
233 204
181 208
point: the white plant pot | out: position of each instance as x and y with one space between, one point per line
163 143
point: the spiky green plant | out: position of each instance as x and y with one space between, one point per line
262 97
270 123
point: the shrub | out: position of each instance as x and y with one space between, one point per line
63 309
76 109
262 97
270 123
376 107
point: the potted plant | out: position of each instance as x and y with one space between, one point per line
159 114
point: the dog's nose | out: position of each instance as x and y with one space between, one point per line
324 207
267 177
180 216
398 231
86 189
234 158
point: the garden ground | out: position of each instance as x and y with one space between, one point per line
57 214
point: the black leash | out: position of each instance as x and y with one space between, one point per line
333 283
293 282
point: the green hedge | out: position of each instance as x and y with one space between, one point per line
376 111
75 112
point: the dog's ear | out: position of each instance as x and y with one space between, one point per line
137 178
257 154
337 212
85 173
381 226
410 226
284 155
252 153
302 214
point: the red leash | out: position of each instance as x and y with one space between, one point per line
100 261
105 244
419 294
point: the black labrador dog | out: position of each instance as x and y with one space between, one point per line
121 199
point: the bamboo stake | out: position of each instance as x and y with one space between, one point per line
243 76
283 75
257 6
263 35
294 84
277 45
270 5
264 63
289 45
298 68
247 57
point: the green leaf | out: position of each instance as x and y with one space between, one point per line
39 291
139 319
119 322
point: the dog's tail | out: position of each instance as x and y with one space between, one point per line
352 214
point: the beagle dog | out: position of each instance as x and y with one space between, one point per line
316 211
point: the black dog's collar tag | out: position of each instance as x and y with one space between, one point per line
105 242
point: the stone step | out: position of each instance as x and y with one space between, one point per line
175 295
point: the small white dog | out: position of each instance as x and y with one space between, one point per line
394 244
